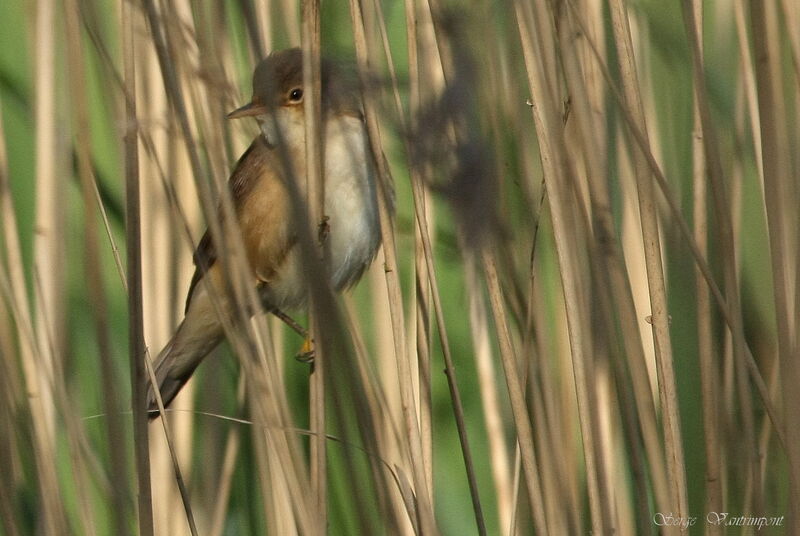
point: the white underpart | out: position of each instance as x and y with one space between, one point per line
350 205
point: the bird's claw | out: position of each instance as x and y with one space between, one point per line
306 352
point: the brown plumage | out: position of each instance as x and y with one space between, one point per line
260 192
260 199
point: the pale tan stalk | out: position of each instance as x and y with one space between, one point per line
426 262
559 477
423 340
422 281
221 499
556 173
162 263
51 507
424 504
184 494
95 284
791 13
549 388
522 420
422 298
556 450
588 169
389 421
767 434
262 9
420 213
455 396
612 281
492 414
171 438
51 373
82 458
49 241
376 402
655 273
617 276
598 367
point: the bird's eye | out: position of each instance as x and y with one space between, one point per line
296 95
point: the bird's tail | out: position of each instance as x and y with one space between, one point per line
199 333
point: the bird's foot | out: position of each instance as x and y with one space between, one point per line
306 352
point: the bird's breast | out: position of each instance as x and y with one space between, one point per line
352 211
350 200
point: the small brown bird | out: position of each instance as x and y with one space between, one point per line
262 202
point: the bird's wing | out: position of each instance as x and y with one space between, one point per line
255 167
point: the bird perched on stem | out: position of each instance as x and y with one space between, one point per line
261 188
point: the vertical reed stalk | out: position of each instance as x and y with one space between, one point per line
422 301
424 504
655 274
426 260
708 361
44 449
619 282
548 128
315 202
522 419
136 348
493 419
778 175
725 226
49 245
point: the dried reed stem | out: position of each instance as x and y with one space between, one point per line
315 202
725 228
778 178
49 242
708 361
686 234
422 290
426 262
424 504
548 128
136 347
655 275
522 419
613 276
44 450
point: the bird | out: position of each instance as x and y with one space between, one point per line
260 188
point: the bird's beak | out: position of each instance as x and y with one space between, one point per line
248 110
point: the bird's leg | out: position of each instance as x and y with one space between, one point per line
289 321
306 352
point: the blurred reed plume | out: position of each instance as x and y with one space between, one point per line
583 317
